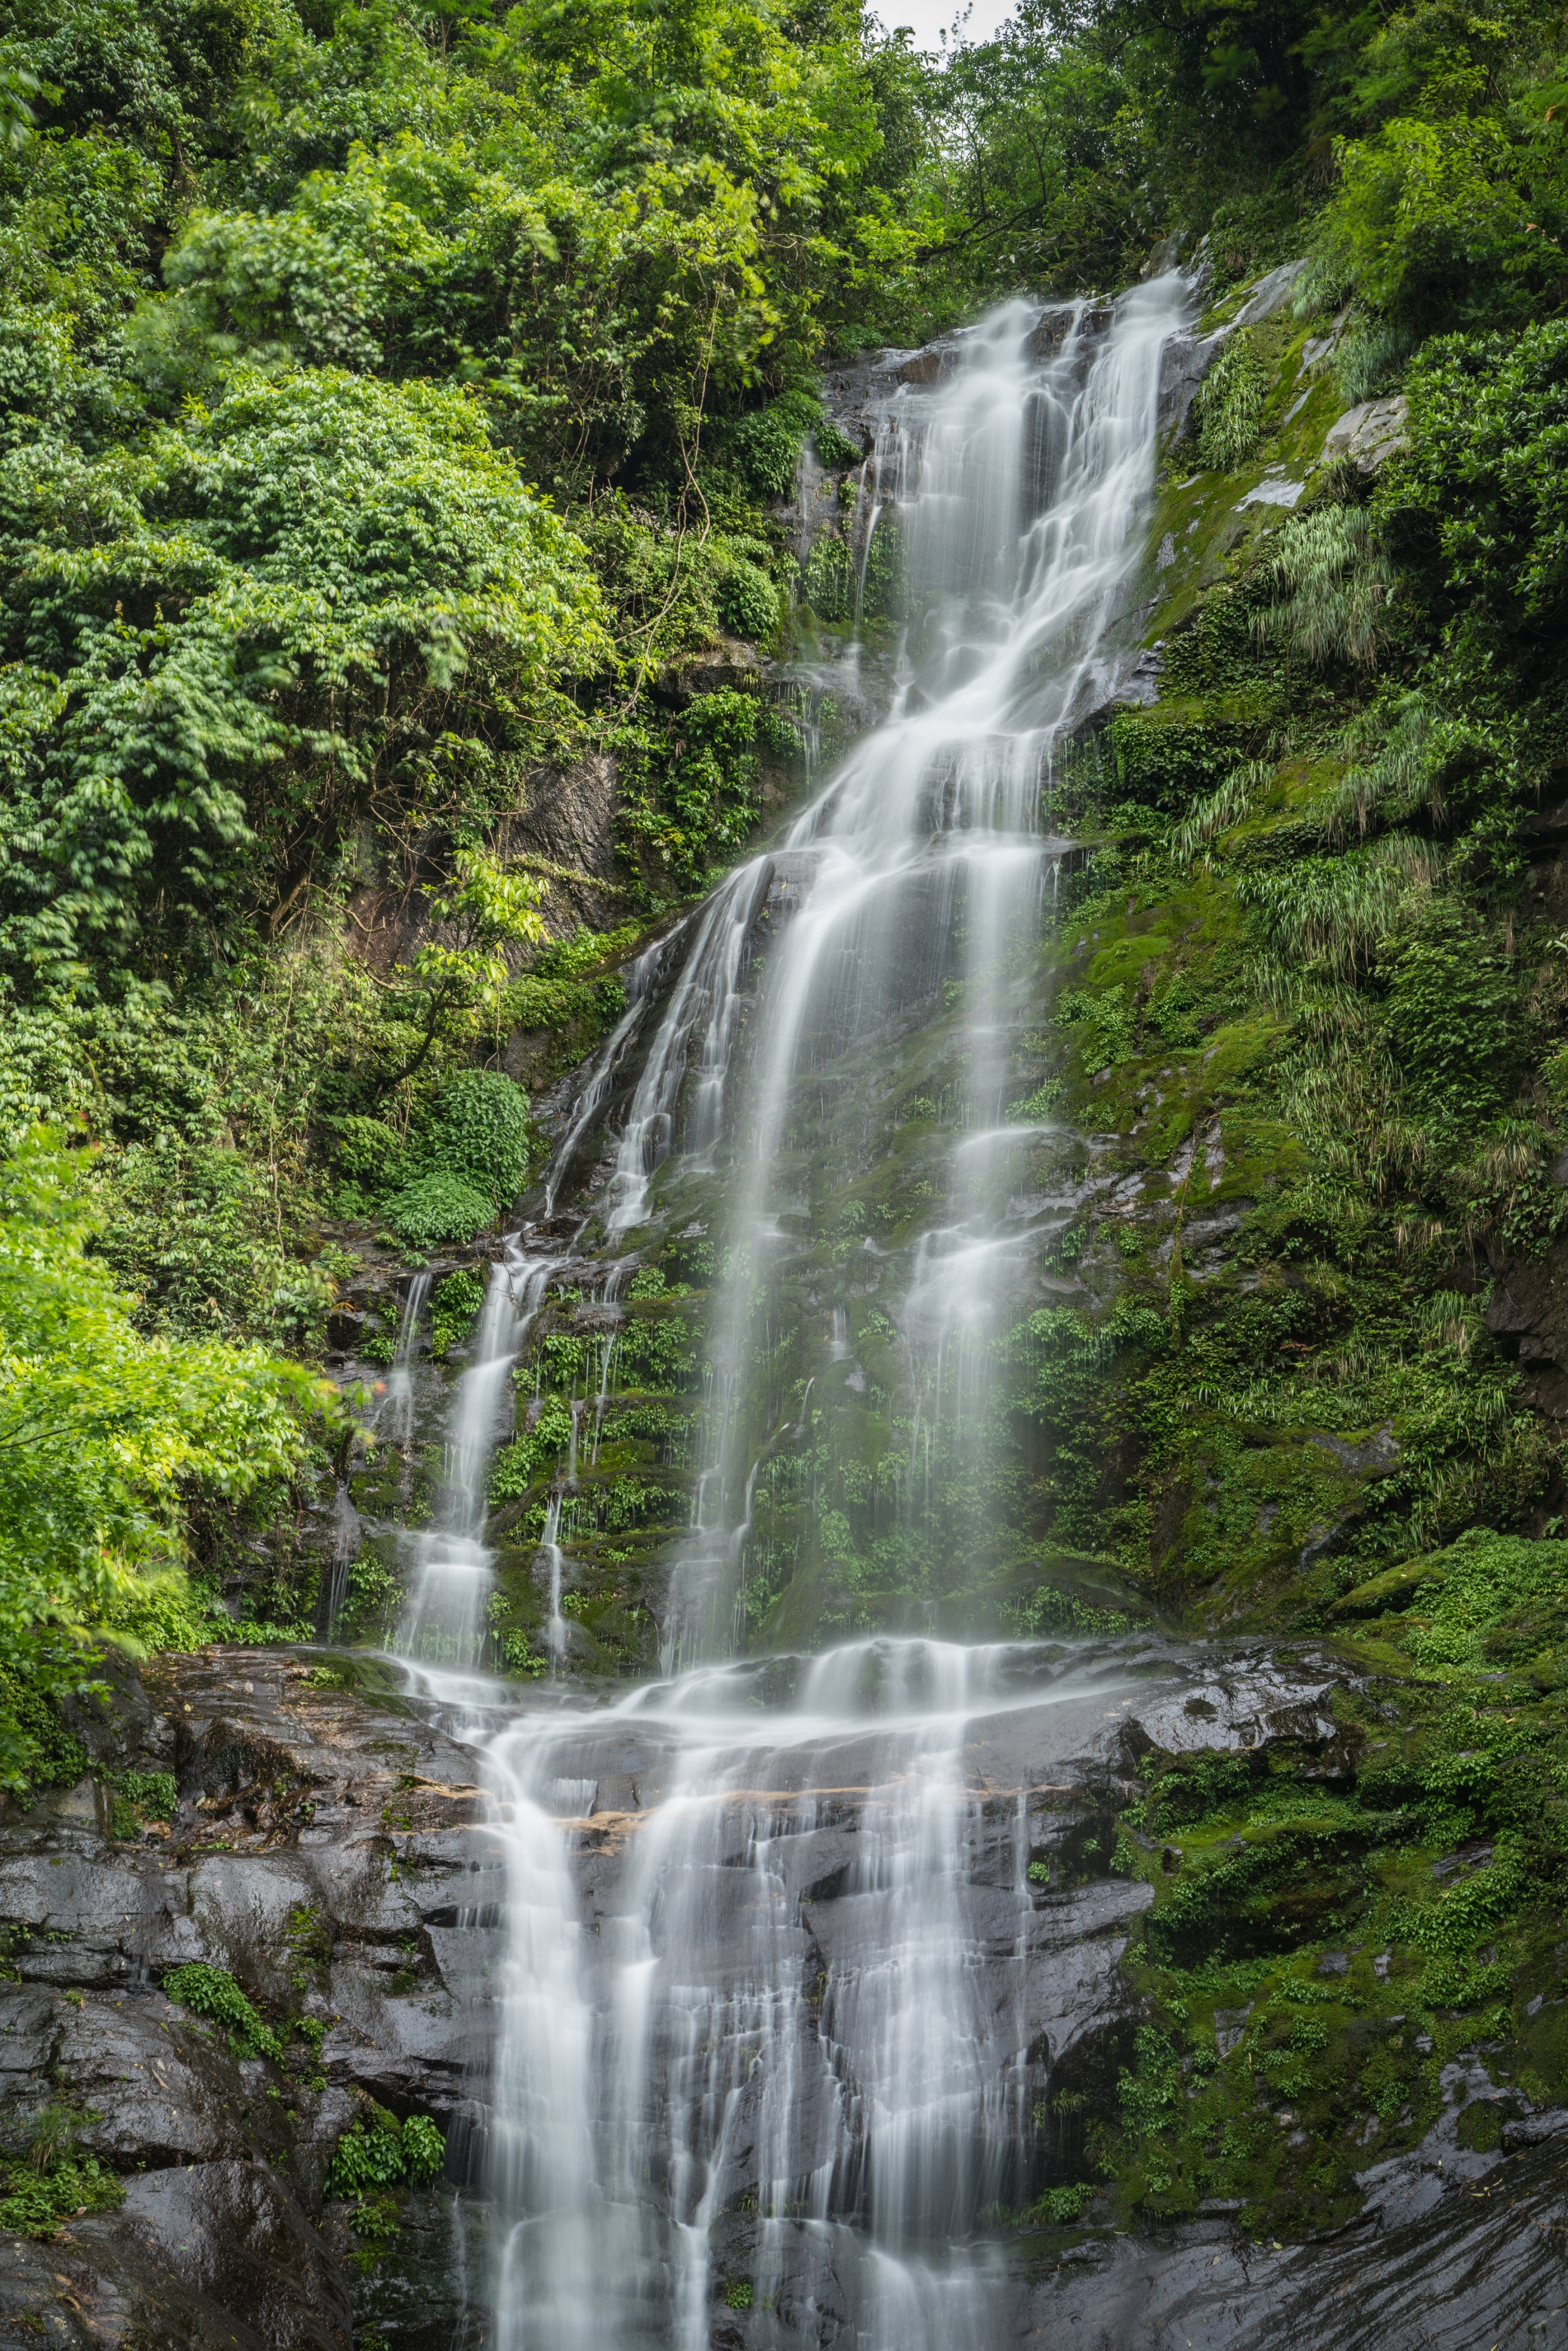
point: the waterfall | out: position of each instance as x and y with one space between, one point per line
783 2006
910 889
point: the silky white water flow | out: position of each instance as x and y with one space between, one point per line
913 880
783 2055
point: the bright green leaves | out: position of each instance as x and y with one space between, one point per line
386 2154
56 2181
213 1993
459 973
469 1161
323 591
457 1302
706 803
1450 210
1103 1024
767 443
479 1130
1490 465
1421 204
105 1434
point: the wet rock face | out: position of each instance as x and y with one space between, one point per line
1444 2259
322 1849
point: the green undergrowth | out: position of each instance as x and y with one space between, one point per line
136 1798
293 2042
213 1993
381 2152
611 1414
1336 1922
56 2181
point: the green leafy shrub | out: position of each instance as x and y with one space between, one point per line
91 1528
457 1302
37 2199
370 1154
887 584
1422 206
1061 2206
385 2153
1487 415
213 1993
137 1796
768 445
478 1133
435 1211
827 582
835 448
1454 1021
748 601
154 1793
1103 1024
190 593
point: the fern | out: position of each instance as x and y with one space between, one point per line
1330 584
1228 413
1333 912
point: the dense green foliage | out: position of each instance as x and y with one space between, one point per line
105 1434
213 1993
385 2153
57 2181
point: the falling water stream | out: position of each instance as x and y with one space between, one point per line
775 1988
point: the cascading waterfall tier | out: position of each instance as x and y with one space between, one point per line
782 1999
907 894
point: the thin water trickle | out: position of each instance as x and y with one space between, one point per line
557 1632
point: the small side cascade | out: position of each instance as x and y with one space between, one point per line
557 1632
345 1549
445 1621
644 978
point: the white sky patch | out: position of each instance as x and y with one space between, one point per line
930 20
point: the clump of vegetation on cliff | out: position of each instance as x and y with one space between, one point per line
107 1436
